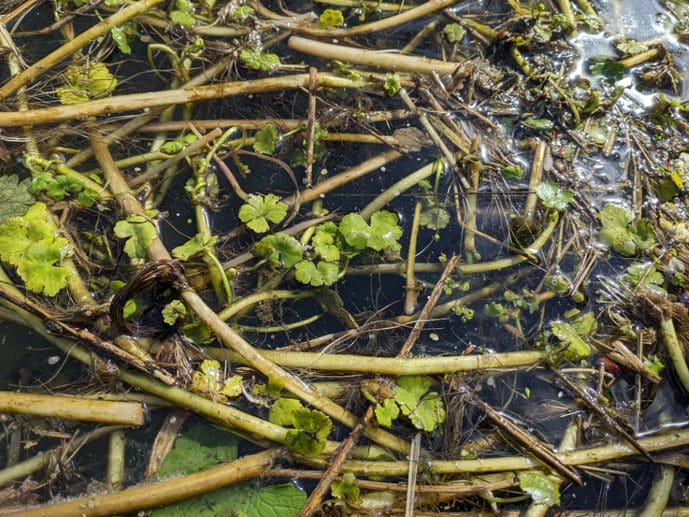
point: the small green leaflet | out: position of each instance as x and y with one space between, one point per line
139 232
32 244
57 187
387 412
281 250
174 311
266 139
494 309
424 409
120 38
577 349
428 414
242 13
644 274
513 172
557 283
346 489
133 308
585 325
198 333
325 273
260 210
331 18
175 146
622 234
654 367
40 270
434 218
540 124
90 81
383 232
183 14
554 196
210 380
282 410
454 32
608 71
323 242
540 487
123 35
15 198
311 427
392 84
313 422
197 244
631 47
256 60
462 311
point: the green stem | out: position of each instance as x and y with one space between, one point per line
397 188
256 298
35 162
660 492
285 327
216 271
676 351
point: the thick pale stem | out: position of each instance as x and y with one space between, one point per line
396 366
72 408
372 58
412 295
356 172
535 181
116 460
148 100
589 456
